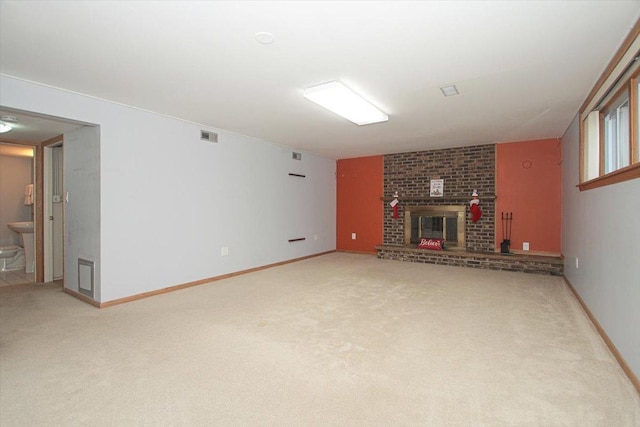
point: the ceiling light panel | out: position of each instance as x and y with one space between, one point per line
336 97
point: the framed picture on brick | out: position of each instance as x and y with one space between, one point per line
437 188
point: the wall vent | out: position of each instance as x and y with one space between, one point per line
86 277
205 135
296 156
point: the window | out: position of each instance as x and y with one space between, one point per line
610 121
617 134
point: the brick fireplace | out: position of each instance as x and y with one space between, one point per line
463 169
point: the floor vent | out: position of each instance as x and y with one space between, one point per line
205 135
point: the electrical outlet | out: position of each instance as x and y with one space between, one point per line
224 251
525 246
577 263
315 237
353 236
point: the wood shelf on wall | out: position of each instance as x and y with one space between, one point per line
428 198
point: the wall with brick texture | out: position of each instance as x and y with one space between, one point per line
463 169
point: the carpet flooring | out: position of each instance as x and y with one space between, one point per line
337 340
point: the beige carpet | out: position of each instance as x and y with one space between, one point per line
337 340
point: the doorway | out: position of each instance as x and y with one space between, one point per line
53 212
44 136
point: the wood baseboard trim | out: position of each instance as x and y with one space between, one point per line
81 297
623 363
358 252
195 283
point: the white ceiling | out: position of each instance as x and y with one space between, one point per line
522 68
33 128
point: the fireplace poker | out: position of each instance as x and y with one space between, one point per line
507 221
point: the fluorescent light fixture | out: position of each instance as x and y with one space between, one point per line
4 128
450 90
336 97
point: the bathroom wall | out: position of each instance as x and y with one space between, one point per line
15 174
171 204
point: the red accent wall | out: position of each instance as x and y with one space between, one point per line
359 208
529 184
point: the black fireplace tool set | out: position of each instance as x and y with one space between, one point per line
507 221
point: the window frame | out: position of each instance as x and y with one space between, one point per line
618 81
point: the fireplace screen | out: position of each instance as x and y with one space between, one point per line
439 227
442 222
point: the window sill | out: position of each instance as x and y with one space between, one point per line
625 174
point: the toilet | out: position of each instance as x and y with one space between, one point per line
11 258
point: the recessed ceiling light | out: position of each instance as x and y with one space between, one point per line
265 38
450 90
336 97
4 128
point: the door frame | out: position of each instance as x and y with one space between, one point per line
39 213
47 208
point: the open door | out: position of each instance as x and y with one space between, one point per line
53 224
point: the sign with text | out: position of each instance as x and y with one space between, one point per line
432 244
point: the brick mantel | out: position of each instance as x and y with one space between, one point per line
429 199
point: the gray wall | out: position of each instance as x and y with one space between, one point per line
601 227
169 203
15 174
82 211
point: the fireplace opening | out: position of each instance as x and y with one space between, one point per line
441 222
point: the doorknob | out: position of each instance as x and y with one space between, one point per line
50 217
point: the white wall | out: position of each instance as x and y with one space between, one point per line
82 210
169 202
601 227
15 174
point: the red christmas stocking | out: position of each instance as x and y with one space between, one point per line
394 205
476 212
